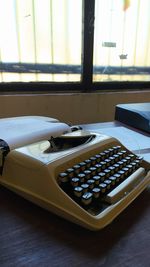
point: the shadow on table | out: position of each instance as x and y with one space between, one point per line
44 229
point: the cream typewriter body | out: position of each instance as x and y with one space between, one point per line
85 177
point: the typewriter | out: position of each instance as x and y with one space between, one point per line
85 177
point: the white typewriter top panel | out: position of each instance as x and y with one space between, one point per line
40 150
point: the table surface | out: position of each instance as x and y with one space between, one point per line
31 236
135 140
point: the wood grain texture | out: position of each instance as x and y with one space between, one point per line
31 236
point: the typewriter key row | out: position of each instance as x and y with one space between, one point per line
89 181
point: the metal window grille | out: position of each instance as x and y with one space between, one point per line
42 40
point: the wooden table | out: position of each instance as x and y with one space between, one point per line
31 236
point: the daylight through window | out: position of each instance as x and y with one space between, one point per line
43 41
121 41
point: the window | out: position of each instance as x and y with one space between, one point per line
75 44
40 40
121 41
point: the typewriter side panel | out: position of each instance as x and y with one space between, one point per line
37 183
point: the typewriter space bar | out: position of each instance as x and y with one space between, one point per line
125 187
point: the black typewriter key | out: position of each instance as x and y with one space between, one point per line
126 170
112 159
78 191
140 159
63 177
117 176
113 180
81 177
108 183
108 161
138 162
75 181
85 187
120 154
88 163
76 168
98 158
93 171
102 176
103 155
116 167
91 183
128 159
103 164
124 152
112 169
132 156
131 167
107 153
134 166
107 172
97 180
87 198
111 151
116 157
124 162
82 166
87 174
103 187
96 192
120 163
93 161
98 167
122 174
115 149
70 172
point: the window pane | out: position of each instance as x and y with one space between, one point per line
121 40
40 40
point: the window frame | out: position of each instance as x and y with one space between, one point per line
86 84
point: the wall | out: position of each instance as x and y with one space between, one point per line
72 108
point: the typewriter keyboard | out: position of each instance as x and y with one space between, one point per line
102 179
